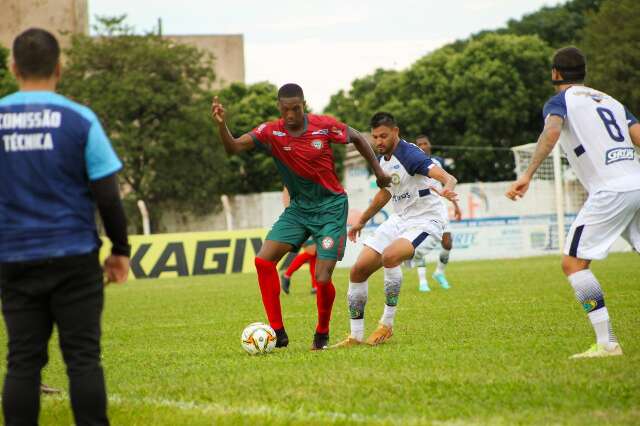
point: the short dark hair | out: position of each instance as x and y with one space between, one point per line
290 90
571 63
36 52
383 119
423 136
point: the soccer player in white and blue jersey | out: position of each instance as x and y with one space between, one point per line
417 222
597 134
424 144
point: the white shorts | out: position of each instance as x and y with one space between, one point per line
604 217
424 234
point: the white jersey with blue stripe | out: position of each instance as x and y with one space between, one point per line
410 191
595 138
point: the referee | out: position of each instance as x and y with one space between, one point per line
56 165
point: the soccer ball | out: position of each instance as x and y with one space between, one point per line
258 338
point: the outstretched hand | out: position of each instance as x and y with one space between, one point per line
518 188
217 111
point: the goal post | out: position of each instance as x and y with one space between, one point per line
553 179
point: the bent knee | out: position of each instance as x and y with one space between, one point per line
391 260
357 274
571 265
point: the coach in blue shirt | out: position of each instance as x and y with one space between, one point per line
56 165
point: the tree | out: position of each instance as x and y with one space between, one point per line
557 25
611 44
484 96
7 82
151 96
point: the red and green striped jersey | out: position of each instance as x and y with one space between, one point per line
305 162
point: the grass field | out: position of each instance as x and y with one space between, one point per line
492 350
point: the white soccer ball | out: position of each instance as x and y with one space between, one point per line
258 338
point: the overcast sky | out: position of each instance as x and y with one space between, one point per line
323 45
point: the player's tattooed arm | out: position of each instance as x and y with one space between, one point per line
634 132
547 140
231 145
447 180
379 201
364 148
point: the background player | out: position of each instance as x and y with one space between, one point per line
424 144
300 146
597 134
417 221
308 254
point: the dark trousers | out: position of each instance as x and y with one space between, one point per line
68 292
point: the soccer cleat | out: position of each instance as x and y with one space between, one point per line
442 280
286 283
349 342
380 335
599 350
282 340
320 341
424 287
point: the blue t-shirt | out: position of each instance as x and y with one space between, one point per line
50 149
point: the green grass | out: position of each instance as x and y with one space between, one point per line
492 350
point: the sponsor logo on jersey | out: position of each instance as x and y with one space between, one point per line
399 197
317 144
279 133
619 154
397 166
286 148
395 179
320 132
327 243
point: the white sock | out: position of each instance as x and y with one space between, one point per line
442 261
422 275
389 315
357 300
357 329
589 294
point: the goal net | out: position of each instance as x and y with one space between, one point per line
554 184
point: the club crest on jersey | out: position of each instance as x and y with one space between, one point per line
619 154
317 144
395 179
327 243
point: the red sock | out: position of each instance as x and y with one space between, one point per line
312 271
299 260
270 289
326 295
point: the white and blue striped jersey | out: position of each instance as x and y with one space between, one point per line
595 138
410 191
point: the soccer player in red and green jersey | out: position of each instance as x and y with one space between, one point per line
300 146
